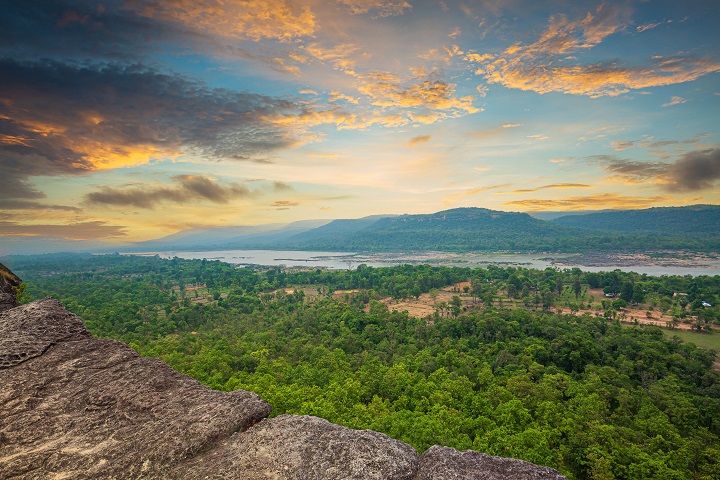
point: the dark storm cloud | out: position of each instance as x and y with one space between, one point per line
63 118
189 188
693 171
696 171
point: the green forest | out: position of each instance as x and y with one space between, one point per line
530 364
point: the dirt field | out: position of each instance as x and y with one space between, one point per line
424 306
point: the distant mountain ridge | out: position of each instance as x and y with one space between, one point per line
471 229
480 229
659 220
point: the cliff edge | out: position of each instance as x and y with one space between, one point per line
75 406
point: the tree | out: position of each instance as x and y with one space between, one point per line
577 287
21 293
455 305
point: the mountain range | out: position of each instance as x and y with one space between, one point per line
471 229
695 227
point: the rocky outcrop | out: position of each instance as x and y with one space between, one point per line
308 448
8 283
447 463
75 406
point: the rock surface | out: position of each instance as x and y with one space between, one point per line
8 283
75 406
447 463
308 448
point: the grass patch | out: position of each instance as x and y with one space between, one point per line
702 340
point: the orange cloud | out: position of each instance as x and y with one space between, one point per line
435 97
419 139
15 140
246 19
339 56
335 96
534 67
591 202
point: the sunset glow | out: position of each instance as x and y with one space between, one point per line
133 119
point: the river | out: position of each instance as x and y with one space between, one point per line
347 261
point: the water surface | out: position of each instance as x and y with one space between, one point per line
349 260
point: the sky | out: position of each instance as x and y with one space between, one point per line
128 120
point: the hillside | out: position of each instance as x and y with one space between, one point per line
479 229
666 221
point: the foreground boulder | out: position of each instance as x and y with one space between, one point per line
75 406
308 448
446 463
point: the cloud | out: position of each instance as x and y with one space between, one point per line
478 58
283 204
590 202
335 96
696 170
648 142
511 125
674 101
282 187
339 56
455 33
649 26
622 144
424 100
8 204
547 187
693 171
383 8
420 98
419 139
189 188
63 118
538 136
482 169
250 19
74 231
537 67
